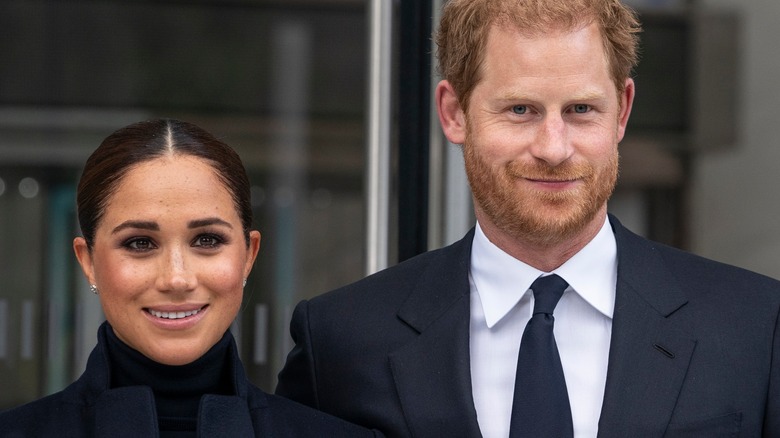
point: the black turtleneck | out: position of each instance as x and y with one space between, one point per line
177 389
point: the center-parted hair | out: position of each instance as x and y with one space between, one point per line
145 141
465 24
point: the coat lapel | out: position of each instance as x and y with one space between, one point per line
130 412
433 373
126 412
224 415
650 350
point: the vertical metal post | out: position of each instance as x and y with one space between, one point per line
292 52
379 121
437 149
413 119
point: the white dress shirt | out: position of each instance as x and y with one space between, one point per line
502 304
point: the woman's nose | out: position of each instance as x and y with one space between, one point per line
176 274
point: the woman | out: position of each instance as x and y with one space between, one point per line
165 214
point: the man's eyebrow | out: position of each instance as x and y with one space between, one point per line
510 95
589 95
143 225
197 223
584 95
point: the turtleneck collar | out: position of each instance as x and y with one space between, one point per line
177 389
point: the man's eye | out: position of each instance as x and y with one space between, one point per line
581 108
520 109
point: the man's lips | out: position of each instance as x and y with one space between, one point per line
551 181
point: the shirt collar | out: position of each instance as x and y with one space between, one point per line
501 280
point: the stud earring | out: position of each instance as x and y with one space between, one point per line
245 282
93 288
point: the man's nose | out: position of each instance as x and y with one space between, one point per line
552 144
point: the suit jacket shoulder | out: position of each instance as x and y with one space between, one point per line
695 345
391 350
689 269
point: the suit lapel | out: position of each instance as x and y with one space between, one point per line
650 350
433 373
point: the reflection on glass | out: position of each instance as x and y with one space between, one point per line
28 188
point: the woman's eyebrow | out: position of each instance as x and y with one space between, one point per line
208 221
143 225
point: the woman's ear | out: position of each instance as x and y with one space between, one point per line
254 249
84 256
451 115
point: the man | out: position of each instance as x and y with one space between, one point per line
652 341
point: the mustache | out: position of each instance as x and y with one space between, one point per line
566 171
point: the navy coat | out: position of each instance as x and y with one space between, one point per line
89 408
695 348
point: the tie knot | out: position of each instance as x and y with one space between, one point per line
547 291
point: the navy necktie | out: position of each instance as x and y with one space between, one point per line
541 403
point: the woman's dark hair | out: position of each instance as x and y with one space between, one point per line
145 141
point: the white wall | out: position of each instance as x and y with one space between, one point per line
735 202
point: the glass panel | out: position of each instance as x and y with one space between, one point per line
283 82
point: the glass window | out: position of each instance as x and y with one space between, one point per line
283 82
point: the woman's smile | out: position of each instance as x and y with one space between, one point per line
174 313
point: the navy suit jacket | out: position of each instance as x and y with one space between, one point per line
695 348
90 408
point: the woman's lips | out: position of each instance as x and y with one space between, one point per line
172 313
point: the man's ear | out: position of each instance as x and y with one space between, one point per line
84 256
451 115
626 102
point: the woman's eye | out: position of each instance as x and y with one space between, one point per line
208 241
519 109
581 108
139 244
